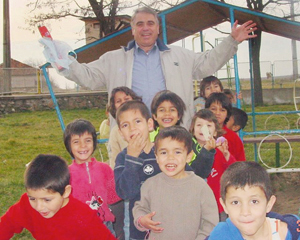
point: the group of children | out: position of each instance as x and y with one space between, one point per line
155 181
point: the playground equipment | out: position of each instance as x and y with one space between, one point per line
220 12
296 96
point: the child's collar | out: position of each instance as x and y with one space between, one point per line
147 149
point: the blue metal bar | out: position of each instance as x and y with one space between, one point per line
164 28
245 10
53 98
236 70
290 131
105 140
201 41
184 4
273 113
252 99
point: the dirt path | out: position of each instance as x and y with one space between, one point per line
286 187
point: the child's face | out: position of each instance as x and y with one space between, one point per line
231 98
172 156
247 209
199 123
132 123
120 98
230 125
82 147
166 115
46 202
211 88
219 111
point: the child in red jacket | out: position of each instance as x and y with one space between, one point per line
92 181
47 210
220 105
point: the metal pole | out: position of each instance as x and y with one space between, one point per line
164 29
6 49
294 46
236 72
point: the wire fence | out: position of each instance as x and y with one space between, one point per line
277 74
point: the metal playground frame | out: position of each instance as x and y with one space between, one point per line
232 10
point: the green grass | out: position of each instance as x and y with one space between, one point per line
274 122
25 135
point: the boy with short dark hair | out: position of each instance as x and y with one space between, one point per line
136 163
175 196
48 210
237 120
208 85
246 196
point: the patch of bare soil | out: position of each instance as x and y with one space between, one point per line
286 188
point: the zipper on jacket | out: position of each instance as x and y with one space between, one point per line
88 171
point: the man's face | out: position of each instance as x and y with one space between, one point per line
145 29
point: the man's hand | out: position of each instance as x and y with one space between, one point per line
244 31
146 222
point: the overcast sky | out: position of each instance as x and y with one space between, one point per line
25 46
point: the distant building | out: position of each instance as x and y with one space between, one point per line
23 76
92 26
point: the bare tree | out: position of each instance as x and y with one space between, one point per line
105 11
261 5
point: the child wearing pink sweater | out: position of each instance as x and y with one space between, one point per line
92 181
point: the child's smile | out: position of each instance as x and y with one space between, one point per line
172 157
166 115
82 147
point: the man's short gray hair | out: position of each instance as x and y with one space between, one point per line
144 10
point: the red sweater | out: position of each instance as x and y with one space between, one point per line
94 181
219 167
74 221
235 144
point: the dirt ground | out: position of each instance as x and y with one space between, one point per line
286 187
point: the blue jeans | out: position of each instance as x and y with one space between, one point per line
109 225
126 219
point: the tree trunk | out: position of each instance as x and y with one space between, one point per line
256 43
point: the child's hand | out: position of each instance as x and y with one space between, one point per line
210 143
146 222
239 96
136 144
224 149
